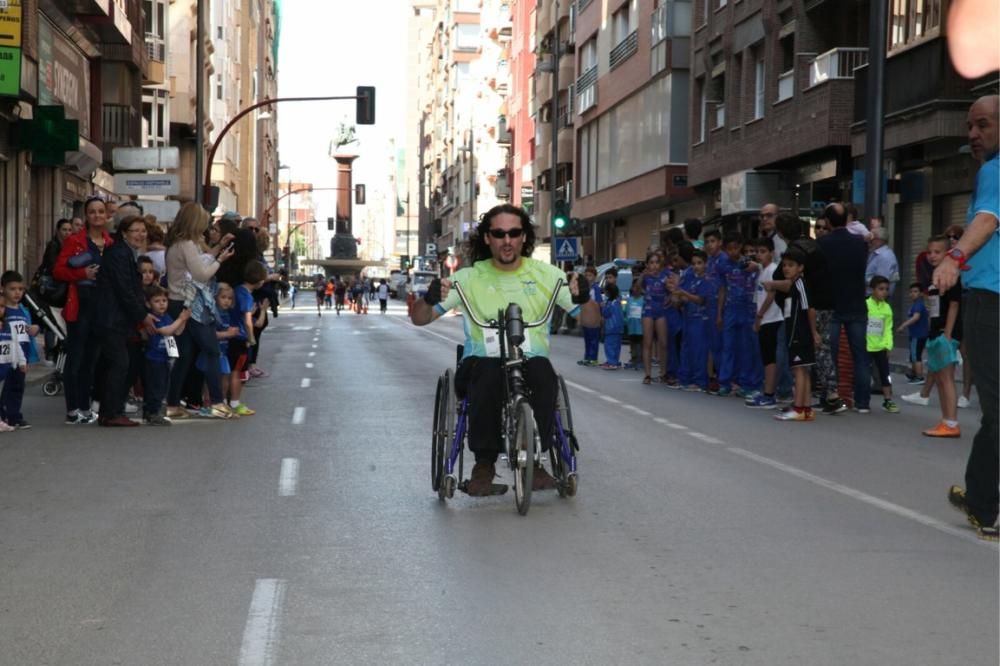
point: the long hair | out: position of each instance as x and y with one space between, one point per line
190 224
479 249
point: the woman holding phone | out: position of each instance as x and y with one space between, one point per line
78 265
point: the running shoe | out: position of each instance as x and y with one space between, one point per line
916 399
672 382
258 373
7 428
747 394
751 396
157 420
796 415
890 406
863 410
724 392
963 402
175 413
20 425
834 406
991 533
763 402
942 429
582 361
914 380
242 410
956 497
693 388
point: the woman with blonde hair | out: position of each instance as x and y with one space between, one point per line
191 266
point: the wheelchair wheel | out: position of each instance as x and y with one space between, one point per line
52 388
437 462
446 433
565 480
523 447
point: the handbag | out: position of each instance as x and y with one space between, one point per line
51 290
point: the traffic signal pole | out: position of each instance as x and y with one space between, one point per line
555 137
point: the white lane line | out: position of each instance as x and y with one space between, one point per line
311 354
306 382
662 421
299 416
896 509
608 398
316 339
260 635
288 482
579 387
315 346
705 438
310 366
633 408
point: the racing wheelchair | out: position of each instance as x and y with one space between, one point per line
520 433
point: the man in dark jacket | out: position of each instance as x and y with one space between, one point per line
121 309
244 247
847 257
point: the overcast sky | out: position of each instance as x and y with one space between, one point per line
329 47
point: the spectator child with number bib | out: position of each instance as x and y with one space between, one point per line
22 331
12 360
942 344
160 348
879 337
633 323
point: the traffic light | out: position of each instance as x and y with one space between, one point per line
365 114
560 216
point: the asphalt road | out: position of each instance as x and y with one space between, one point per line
703 532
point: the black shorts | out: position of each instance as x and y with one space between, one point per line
237 354
767 338
801 353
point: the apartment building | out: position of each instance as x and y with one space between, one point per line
298 235
518 125
417 224
630 115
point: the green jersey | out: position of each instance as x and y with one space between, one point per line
879 333
489 291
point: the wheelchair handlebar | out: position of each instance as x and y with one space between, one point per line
494 324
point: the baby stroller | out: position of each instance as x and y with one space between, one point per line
41 314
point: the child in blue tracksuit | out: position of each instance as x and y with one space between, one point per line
713 255
614 326
633 324
12 359
22 332
741 362
591 334
696 290
675 321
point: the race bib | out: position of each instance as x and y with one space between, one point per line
171 346
634 311
876 327
491 340
6 354
20 331
934 306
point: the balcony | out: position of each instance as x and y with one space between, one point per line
155 72
625 49
120 126
836 64
786 85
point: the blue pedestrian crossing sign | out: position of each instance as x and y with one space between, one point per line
567 248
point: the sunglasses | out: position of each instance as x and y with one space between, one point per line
952 237
500 233
822 227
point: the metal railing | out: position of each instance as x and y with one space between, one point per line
588 78
624 49
116 122
836 64
786 85
156 48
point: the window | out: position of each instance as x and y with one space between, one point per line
717 96
913 21
620 22
219 33
758 87
588 55
466 36
218 86
702 108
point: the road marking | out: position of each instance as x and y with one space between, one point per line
902 511
423 329
608 398
633 408
579 387
260 635
315 346
706 438
288 482
311 354
676 426
662 421
316 339
299 416
306 382
310 366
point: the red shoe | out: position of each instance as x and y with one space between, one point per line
117 422
942 429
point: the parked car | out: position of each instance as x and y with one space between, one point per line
625 269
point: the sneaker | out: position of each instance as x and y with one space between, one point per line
672 382
157 420
117 422
593 363
218 411
677 386
693 388
542 480
72 419
890 406
991 533
762 402
863 410
629 365
834 406
242 410
942 429
916 399
175 413
956 497
7 428
131 407
963 402
724 392
582 361
83 418
20 425
747 394
257 372
796 415
915 380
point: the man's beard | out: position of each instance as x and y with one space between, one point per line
500 258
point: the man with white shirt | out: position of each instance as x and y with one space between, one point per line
768 216
882 260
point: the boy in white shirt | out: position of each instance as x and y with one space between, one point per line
766 324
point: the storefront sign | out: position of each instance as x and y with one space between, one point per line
147 183
10 71
63 75
10 23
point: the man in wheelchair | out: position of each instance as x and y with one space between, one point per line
503 272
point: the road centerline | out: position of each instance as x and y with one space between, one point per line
299 416
288 480
260 635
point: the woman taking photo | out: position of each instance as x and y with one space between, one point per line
78 265
191 263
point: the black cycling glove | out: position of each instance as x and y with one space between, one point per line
584 290
433 295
